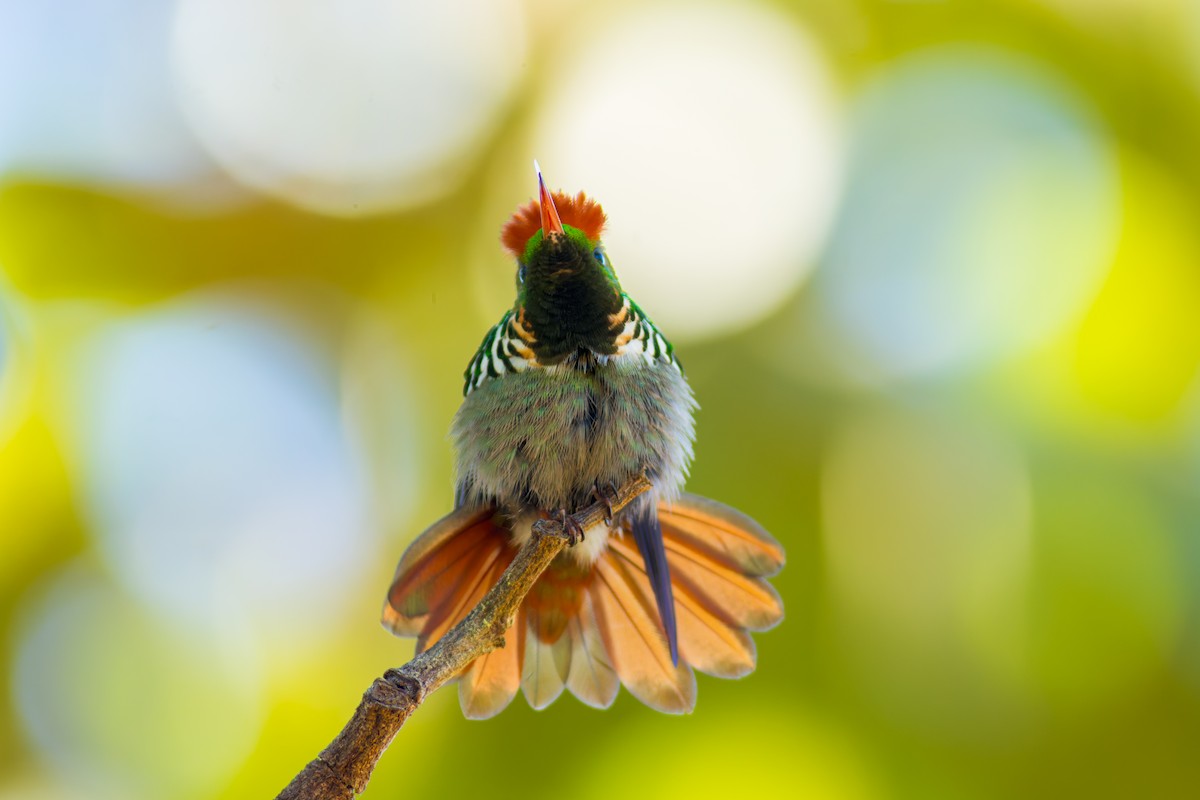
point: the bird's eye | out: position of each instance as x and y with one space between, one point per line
598 254
520 273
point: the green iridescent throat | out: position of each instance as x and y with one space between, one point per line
569 297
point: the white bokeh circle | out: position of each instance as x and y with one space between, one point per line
85 92
710 134
346 106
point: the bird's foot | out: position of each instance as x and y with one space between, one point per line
607 495
571 527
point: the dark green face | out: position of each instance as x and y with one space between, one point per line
570 296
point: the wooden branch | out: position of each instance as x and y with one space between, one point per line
344 767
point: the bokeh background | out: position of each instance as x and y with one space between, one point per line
933 269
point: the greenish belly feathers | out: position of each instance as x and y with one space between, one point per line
543 438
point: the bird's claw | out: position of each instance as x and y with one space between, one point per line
607 495
571 527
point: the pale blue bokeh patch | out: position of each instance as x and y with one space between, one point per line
981 212
86 92
218 476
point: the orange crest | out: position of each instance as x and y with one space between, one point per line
579 211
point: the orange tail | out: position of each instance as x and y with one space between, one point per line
586 630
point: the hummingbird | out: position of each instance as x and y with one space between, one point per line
572 393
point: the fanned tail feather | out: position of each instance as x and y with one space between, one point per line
473 584
589 631
719 558
707 642
443 575
490 683
724 534
634 638
431 567
547 665
592 678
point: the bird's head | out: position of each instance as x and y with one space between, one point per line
568 296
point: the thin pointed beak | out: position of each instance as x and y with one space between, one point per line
551 224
